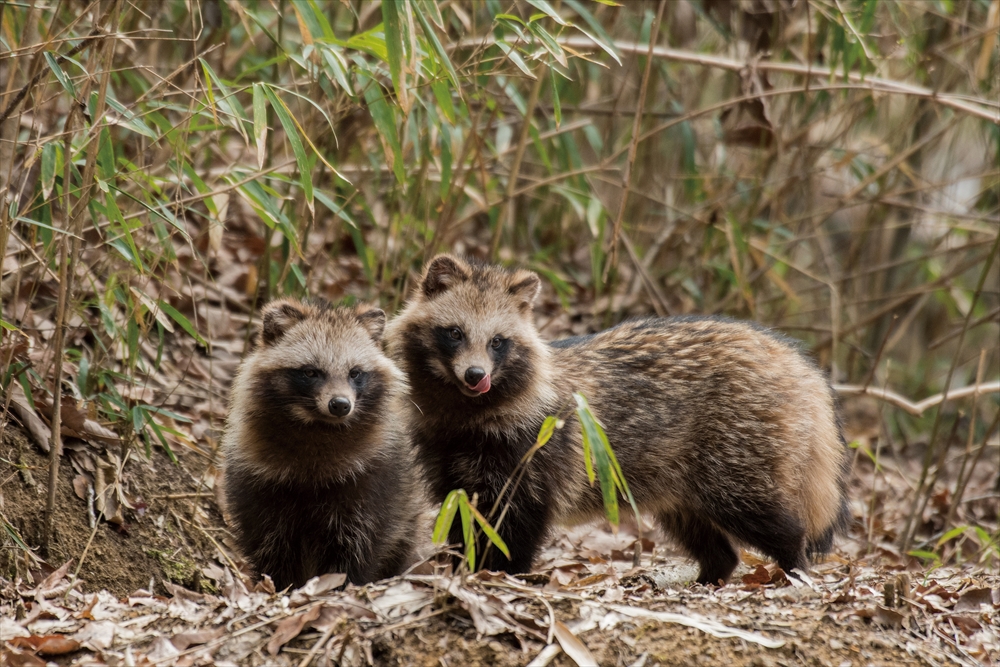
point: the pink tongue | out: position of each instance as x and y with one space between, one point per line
483 386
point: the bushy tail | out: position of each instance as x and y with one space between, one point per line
821 544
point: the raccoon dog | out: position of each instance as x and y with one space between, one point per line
318 466
724 431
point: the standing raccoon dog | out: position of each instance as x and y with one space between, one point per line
724 431
318 467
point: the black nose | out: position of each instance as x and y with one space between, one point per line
473 375
340 406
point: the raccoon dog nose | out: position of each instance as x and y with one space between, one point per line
340 406
473 375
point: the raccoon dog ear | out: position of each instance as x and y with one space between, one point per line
278 318
373 321
442 274
525 286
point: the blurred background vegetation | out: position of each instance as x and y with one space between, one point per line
826 167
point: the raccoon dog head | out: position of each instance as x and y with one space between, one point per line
319 365
471 326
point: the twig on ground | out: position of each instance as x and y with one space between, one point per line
919 407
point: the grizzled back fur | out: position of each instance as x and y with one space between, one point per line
318 469
724 430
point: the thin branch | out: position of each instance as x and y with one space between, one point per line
508 208
633 146
923 492
979 108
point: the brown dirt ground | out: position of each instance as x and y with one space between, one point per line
155 543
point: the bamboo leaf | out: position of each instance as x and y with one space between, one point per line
61 76
290 125
468 536
490 533
260 123
51 165
385 124
445 517
394 50
233 112
183 321
556 105
442 55
515 58
549 11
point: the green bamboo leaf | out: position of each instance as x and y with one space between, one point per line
609 472
951 534
394 48
490 533
549 10
61 76
556 104
287 122
419 9
515 58
445 517
310 13
512 18
233 112
183 321
468 536
130 120
385 124
588 437
550 44
371 42
545 432
337 66
126 243
446 161
260 123
51 165
432 8
105 156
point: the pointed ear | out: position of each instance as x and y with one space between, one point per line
443 273
373 320
280 316
525 286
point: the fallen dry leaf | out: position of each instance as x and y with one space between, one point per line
186 639
290 628
573 647
14 658
47 644
759 577
973 598
888 617
38 429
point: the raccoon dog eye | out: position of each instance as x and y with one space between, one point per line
309 372
354 374
496 342
455 333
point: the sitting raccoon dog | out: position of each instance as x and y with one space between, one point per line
318 466
724 431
